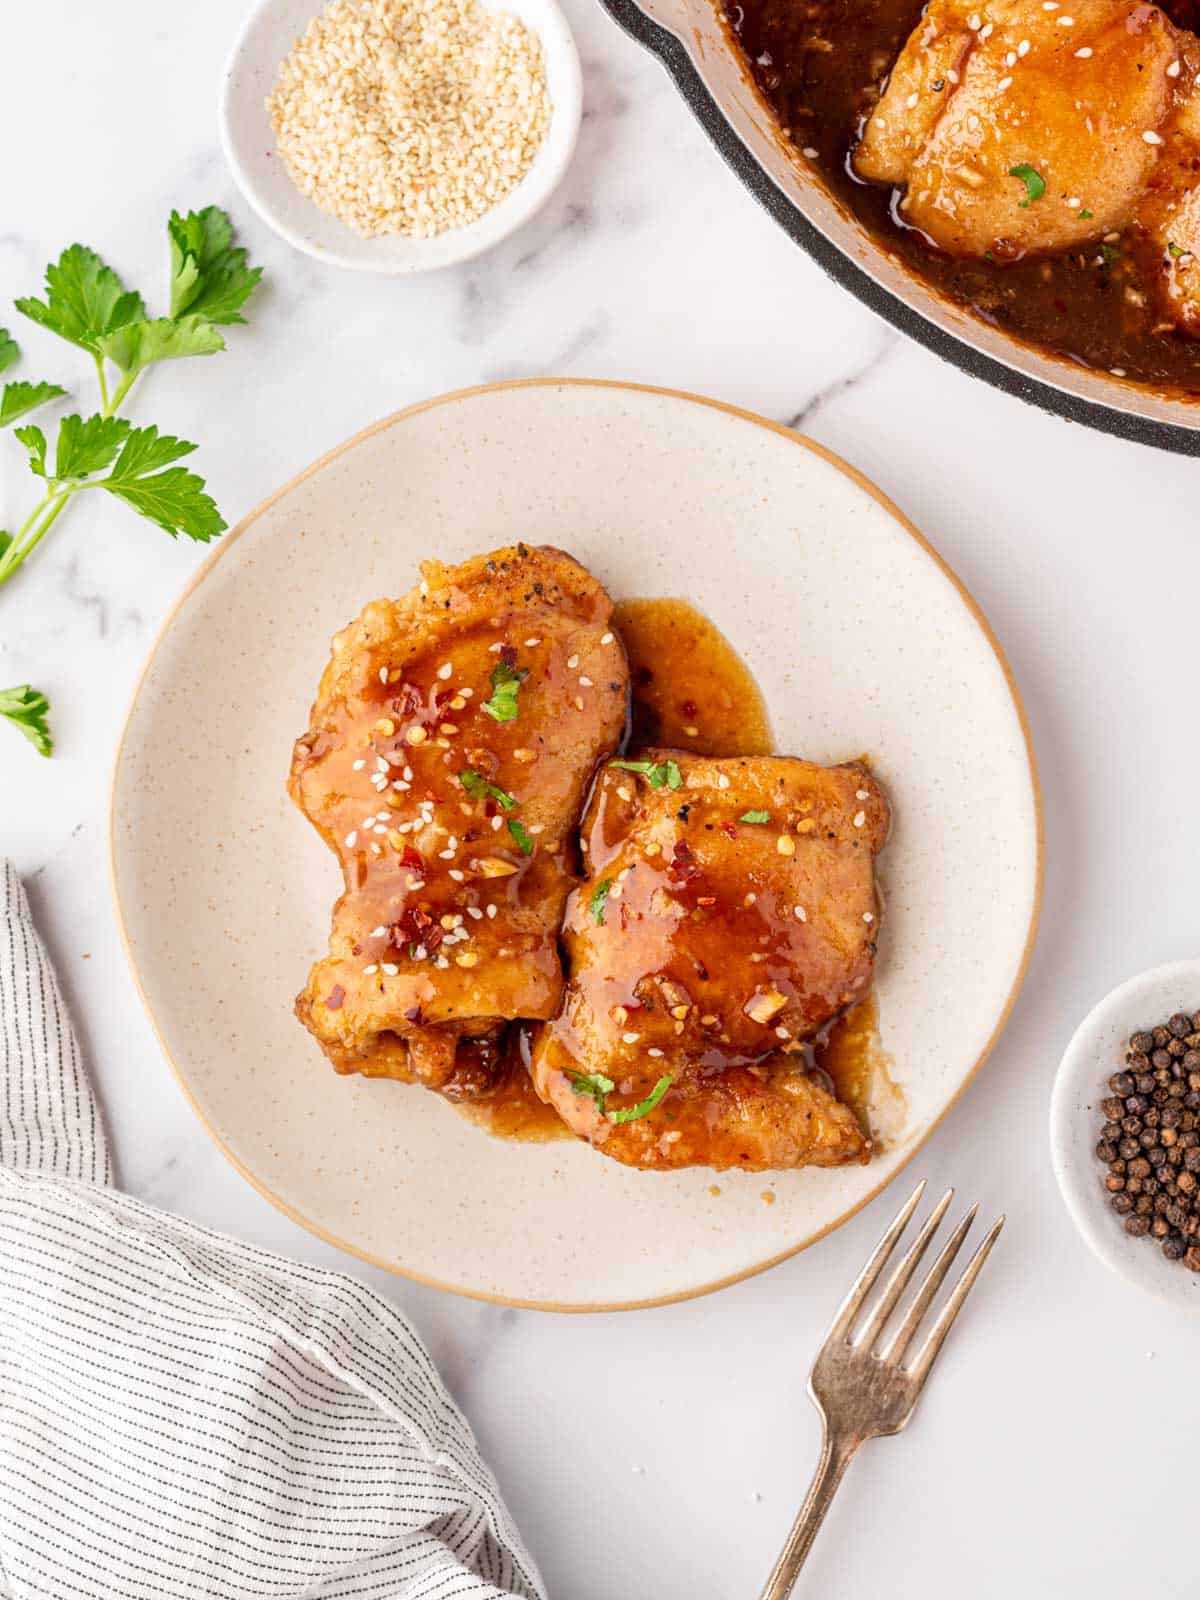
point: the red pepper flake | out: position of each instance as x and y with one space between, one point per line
690 709
407 701
683 867
508 654
728 829
412 858
333 1001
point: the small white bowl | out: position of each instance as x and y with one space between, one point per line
269 33
1093 1055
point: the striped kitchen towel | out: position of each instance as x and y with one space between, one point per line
183 1416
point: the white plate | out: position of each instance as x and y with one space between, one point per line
1096 1051
861 640
269 33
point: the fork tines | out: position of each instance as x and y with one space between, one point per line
897 1346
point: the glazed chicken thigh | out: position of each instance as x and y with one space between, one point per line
1030 127
453 738
729 913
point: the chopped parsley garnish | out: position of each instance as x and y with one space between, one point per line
755 816
598 1087
479 788
1174 249
599 900
524 842
1108 254
643 1107
506 680
656 773
594 1084
1035 184
27 710
1085 216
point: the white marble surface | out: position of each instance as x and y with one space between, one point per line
663 1452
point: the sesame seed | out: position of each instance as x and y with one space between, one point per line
868 916
913 98
579 702
358 765
1023 48
416 735
459 877
862 794
859 818
786 845
1066 22
654 1051
1172 70
1151 137
445 670
811 152
1004 83
371 970
383 674
390 968
572 662
606 638
692 731
722 781
351 839
410 116
585 683
491 911
800 914
532 643
630 1038
750 899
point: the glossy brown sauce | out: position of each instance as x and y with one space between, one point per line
692 691
817 63
859 1068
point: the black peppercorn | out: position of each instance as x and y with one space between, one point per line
1173 1249
1106 1151
1141 1043
1122 1204
1122 1083
1137 1226
1180 1024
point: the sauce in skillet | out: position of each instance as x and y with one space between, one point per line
692 691
818 62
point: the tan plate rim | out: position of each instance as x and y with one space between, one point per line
861 482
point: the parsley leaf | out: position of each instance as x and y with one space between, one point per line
1108 255
87 446
18 398
34 441
506 680
656 773
173 499
599 900
479 788
209 278
140 344
1035 184
1085 216
84 299
524 842
755 816
643 1107
1174 249
27 708
594 1084
9 349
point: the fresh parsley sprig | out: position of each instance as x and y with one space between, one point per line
27 709
87 304
506 680
656 773
597 1087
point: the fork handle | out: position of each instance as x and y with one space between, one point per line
836 1455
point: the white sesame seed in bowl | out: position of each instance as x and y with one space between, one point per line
367 140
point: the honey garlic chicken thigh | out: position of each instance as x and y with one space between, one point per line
453 738
728 913
1027 127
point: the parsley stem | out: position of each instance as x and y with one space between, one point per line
99 360
119 393
34 529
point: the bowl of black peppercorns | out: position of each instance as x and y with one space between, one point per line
1125 1131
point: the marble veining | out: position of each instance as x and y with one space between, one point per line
661 1452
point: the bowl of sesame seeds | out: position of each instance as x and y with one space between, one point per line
400 136
1125 1131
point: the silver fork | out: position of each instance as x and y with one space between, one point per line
863 1389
